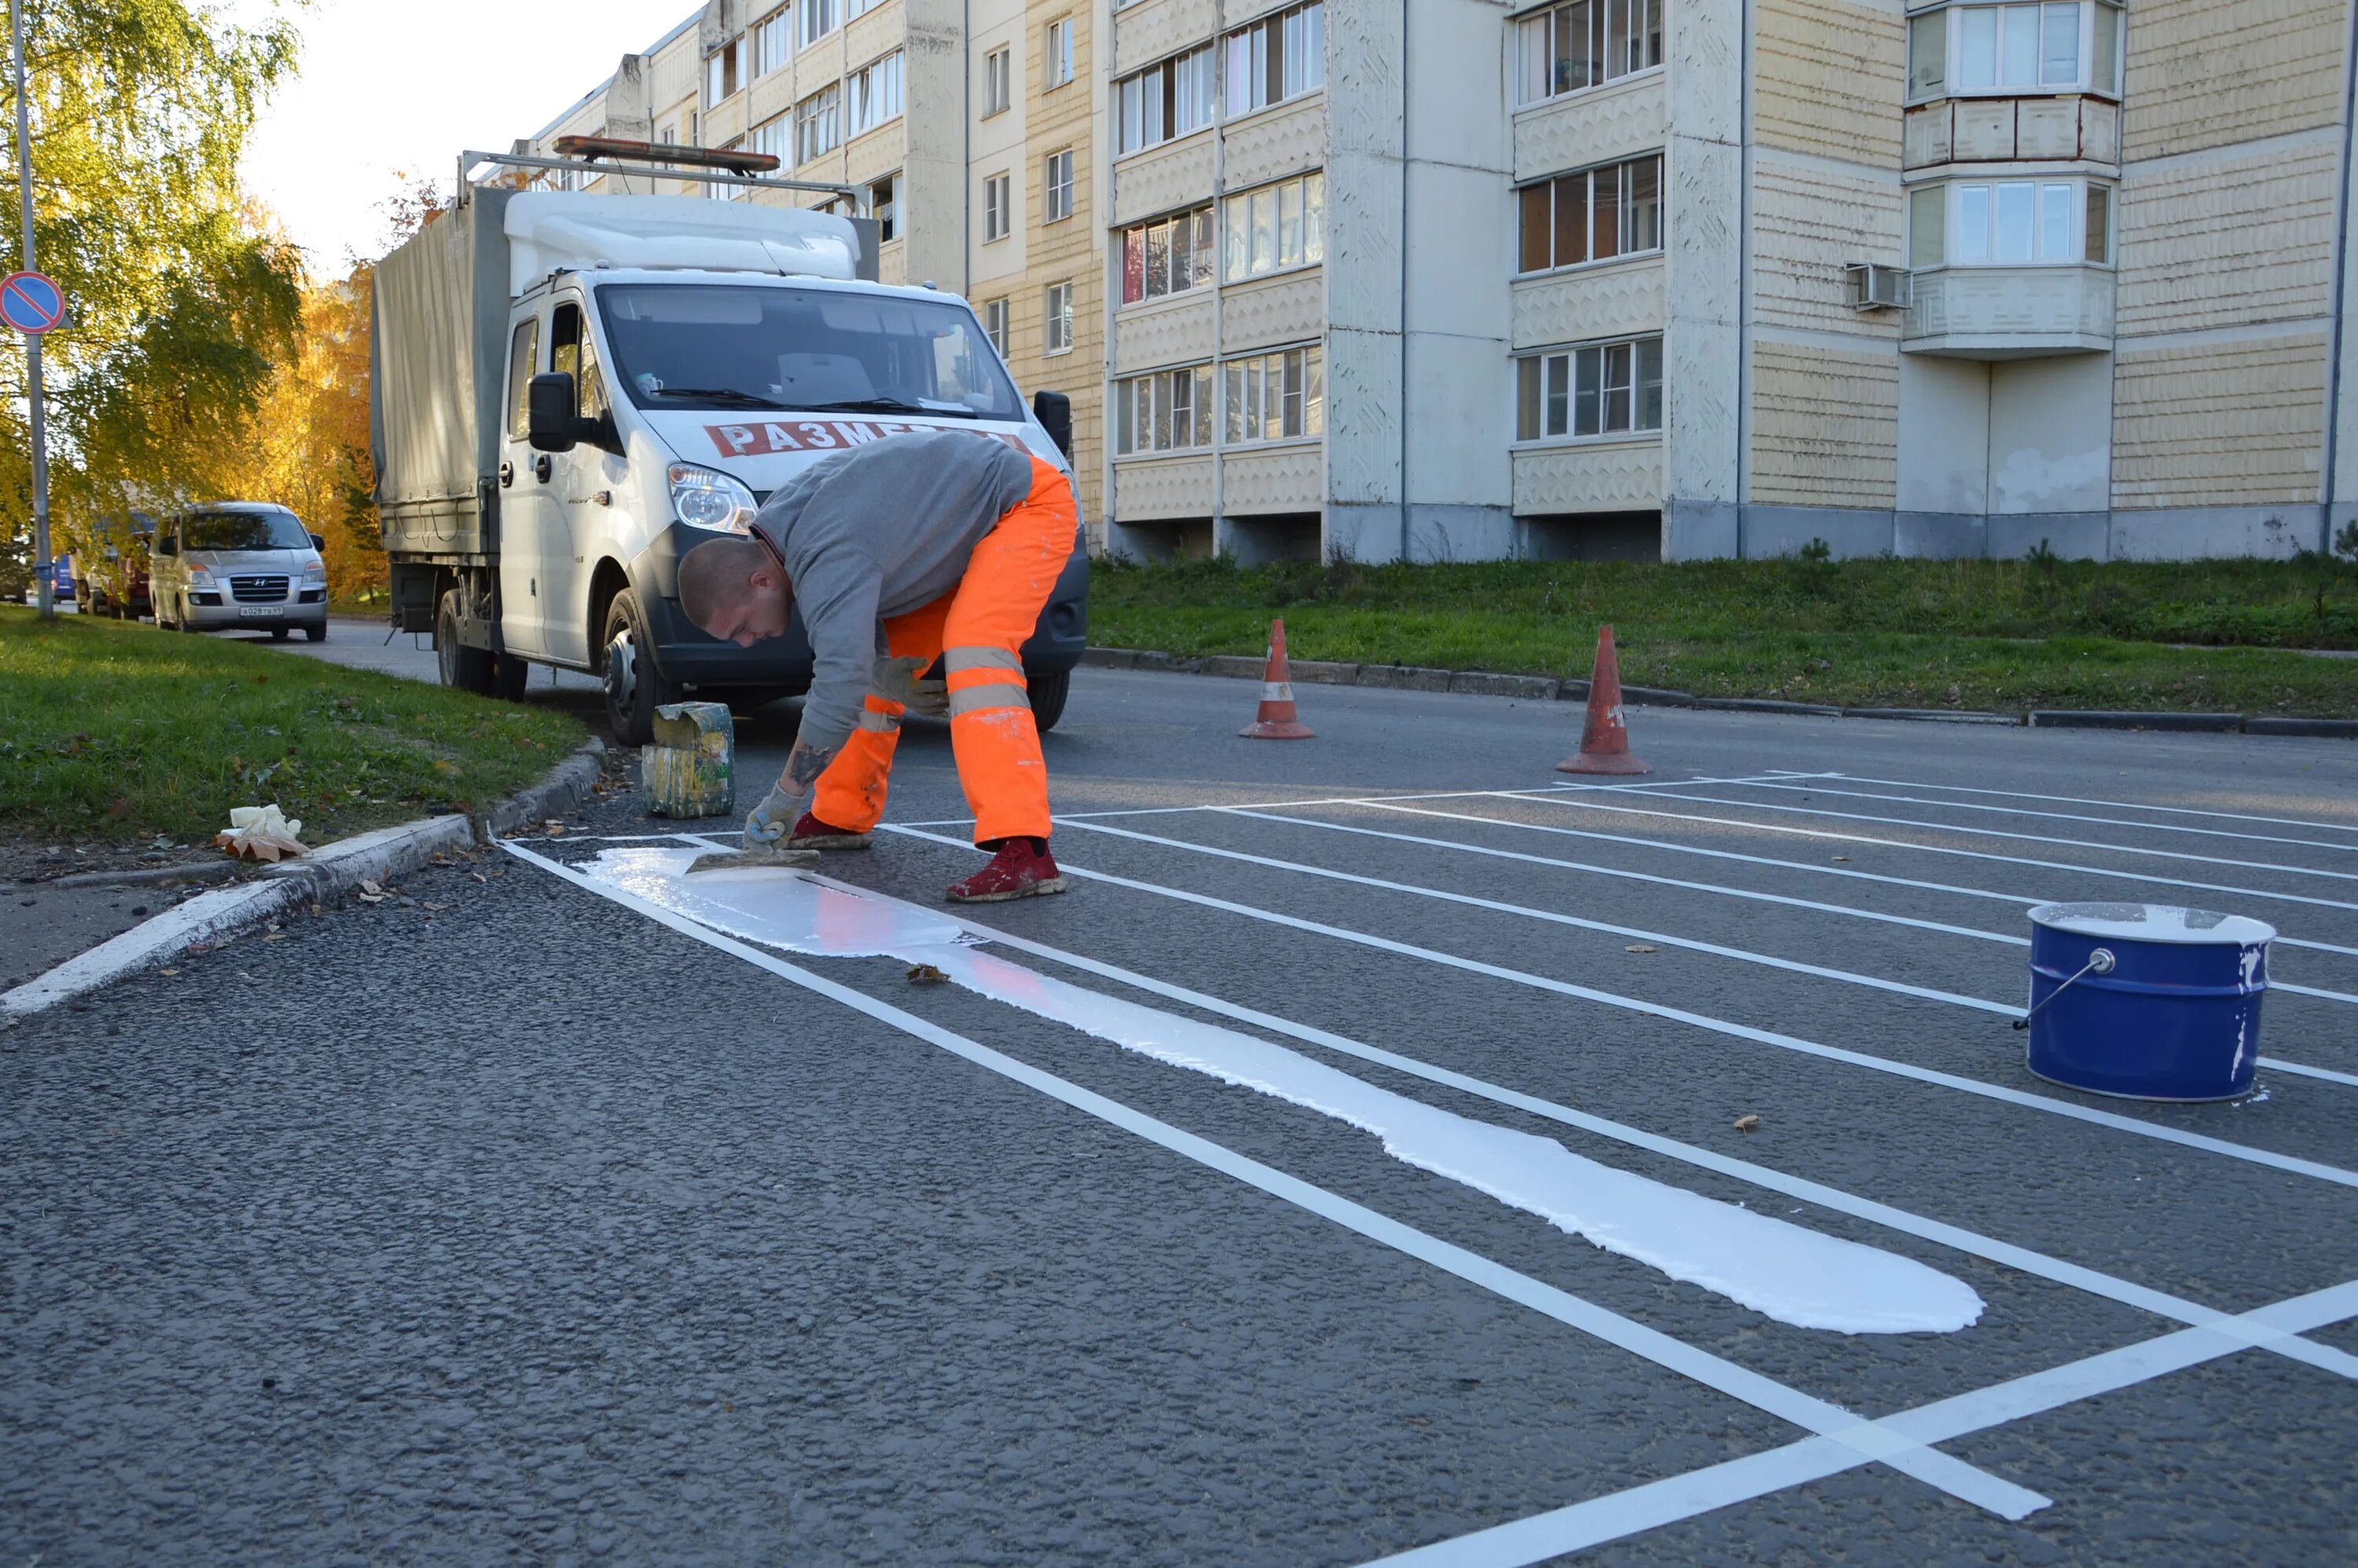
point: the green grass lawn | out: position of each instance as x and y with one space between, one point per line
116 731
1993 634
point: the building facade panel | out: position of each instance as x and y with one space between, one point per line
1275 142
2229 241
1146 490
2229 424
2204 73
1596 126
1624 476
1829 79
878 33
1287 479
1145 32
1825 427
1181 333
1807 222
1289 309
1163 180
1616 299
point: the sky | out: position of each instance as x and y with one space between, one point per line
390 88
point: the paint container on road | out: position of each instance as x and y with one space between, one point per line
2146 1000
688 769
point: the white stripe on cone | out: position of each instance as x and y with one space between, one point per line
1277 691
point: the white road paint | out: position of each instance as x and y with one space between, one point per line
2078 800
2116 1122
1668 1501
1864 1437
1793 1274
2051 816
2095 1282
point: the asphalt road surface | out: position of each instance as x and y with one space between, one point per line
511 1218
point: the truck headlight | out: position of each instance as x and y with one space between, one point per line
706 498
200 577
316 571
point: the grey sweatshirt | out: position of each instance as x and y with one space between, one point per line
876 532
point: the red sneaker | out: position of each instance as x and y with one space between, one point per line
810 833
1018 870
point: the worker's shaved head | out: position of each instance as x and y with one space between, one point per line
734 589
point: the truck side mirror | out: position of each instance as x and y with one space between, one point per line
553 427
319 541
165 545
1054 412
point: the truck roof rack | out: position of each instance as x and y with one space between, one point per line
656 160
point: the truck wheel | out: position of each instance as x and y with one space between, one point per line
1048 694
182 623
510 675
280 634
318 633
634 687
463 668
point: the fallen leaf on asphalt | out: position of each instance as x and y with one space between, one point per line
1748 1124
274 936
556 830
1639 948
1842 857
429 903
369 884
926 975
479 877
168 971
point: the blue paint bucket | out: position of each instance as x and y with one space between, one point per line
2146 1000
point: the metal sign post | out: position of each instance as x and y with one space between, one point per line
45 596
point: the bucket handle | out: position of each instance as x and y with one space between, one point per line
2100 962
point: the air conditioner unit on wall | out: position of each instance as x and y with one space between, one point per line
1873 286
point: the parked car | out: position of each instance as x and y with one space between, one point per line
61 588
246 564
116 583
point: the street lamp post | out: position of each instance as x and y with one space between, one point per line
43 590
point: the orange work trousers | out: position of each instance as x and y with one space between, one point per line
979 630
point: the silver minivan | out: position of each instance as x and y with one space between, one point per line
239 564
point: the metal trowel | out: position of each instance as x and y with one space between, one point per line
768 858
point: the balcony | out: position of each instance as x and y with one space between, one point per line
2009 312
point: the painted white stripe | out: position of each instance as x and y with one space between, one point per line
2019 901
2085 800
2024 838
1277 691
2279 1064
1834 836
2056 815
1865 1438
1619 1514
2038 1264
2287 1162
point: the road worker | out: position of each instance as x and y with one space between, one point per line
944 544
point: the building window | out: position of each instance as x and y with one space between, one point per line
773 41
1605 389
859 7
2071 47
720 72
775 136
2009 223
994 324
875 93
1275 397
1170 256
1593 215
1163 101
1277 226
884 206
1168 411
998 81
1057 320
818 123
1057 54
998 206
818 18
1278 58
731 191
1586 44
1056 187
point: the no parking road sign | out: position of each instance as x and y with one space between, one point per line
31 302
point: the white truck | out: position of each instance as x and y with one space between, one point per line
570 390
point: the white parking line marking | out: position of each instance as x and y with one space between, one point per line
2053 816
2081 800
2287 1162
1555 798
1869 1440
2038 1264
1667 1501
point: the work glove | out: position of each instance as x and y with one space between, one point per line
895 680
773 819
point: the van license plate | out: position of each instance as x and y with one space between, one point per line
272 612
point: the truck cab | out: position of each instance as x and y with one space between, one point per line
660 365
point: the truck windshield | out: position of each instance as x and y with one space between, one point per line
243 530
684 345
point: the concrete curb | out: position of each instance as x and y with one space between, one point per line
1541 689
332 872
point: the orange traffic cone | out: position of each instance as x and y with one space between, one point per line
1277 721
1605 738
